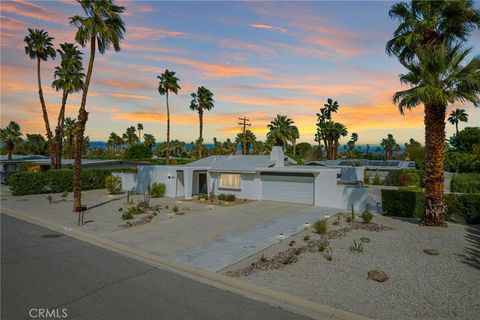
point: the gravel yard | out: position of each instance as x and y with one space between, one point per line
420 286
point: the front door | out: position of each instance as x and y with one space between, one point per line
202 183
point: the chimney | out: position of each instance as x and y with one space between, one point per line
277 156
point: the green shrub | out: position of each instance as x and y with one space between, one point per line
230 197
127 216
465 183
137 152
320 226
461 162
402 203
136 209
464 205
113 184
356 247
157 190
403 178
376 180
367 216
176 208
366 177
56 181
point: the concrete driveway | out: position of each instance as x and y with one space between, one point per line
169 237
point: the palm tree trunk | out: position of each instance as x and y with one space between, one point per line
168 130
10 152
45 117
434 147
59 132
82 121
200 138
294 147
456 127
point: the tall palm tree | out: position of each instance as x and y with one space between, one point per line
168 83
202 100
39 46
428 43
149 140
329 108
248 138
103 27
68 78
130 136
456 116
139 128
294 135
11 136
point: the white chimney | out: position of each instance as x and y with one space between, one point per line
277 156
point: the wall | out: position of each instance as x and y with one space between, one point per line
352 173
249 186
138 182
329 194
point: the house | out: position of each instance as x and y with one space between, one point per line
255 177
378 165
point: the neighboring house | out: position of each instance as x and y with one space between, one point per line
368 164
255 177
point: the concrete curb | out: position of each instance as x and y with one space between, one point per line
273 298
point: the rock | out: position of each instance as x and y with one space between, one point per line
365 240
431 252
292 243
377 275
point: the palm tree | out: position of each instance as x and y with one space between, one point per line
104 27
329 108
11 136
130 136
168 83
139 128
248 138
281 130
351 144
389 145
68 78
39 46
70 132
428 43
456 116
148 140
202 100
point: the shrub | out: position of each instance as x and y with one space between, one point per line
230 197
320 226
464 205
367 216
157 190
113 184
127 216
222 197
402 203
306 237
403 178
461 162
136 209
376 180
465 183
356 247
176 208
366 177
226 197
137 152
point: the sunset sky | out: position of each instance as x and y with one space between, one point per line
258 58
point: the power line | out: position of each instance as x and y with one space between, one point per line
244 124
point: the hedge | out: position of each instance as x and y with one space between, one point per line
402 203
55 181
465 183
409 203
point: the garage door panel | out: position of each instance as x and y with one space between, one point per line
287 189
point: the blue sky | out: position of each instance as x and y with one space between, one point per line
258 58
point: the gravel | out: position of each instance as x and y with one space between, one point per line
421 286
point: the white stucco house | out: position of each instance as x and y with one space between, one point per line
254 177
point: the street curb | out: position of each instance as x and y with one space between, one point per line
274 298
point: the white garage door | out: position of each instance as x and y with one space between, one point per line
287 188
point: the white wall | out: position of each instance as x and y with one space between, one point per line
249 186
147 175
329 194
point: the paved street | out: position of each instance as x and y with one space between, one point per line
44 269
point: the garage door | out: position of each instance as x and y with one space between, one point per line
287 187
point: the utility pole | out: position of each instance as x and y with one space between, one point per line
244 124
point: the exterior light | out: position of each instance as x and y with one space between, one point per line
281 237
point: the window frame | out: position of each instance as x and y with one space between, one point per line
221 186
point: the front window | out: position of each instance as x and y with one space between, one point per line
230 181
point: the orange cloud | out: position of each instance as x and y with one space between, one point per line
142 33
129 96
267 26
245 46
32 10
9 23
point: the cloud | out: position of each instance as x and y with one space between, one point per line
267 27
146 33
9 23
129 96
34 11
245 46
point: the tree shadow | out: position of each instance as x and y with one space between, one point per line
416 221
471 255
105 202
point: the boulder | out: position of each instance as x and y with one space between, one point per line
431 252
377 275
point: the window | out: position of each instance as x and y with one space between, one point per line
230 181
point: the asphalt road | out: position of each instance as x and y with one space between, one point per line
41 269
